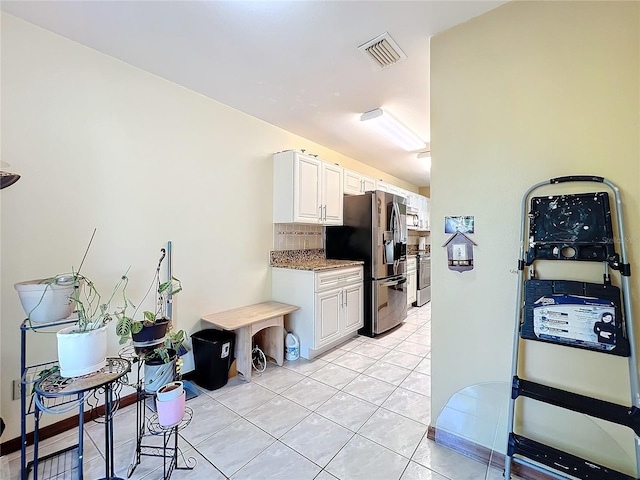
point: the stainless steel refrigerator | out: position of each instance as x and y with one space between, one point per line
375 231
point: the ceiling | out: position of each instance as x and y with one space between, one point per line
294 64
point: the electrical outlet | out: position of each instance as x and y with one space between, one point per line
16 390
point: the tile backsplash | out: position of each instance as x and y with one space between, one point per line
293 236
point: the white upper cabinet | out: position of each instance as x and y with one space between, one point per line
306 189
425 213
413 202
332 194
356 184
369 184
387 187
307 172
416 204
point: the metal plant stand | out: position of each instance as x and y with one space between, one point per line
30 374
148 427
54 386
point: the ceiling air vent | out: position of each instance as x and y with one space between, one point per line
383 51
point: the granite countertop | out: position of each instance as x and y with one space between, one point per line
312 260
317 264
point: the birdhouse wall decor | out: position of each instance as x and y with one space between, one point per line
459 252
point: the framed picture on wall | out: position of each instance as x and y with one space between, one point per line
463 224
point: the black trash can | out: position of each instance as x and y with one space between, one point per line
213 356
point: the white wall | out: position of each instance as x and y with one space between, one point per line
101 144
522 94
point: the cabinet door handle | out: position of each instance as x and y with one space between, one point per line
320 215
325 213
346 299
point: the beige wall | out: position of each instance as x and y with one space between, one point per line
101 144
522 94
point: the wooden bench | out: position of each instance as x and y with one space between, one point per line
266 320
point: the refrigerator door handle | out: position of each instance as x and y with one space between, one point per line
393 283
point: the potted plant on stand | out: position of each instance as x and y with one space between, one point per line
151 330
47 299
82 348
162 364
151 341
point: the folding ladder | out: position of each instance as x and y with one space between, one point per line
572 227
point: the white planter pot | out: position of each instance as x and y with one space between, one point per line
170 413
158 373
169 391
81 353
46 302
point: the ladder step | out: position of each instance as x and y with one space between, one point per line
611 412
563 462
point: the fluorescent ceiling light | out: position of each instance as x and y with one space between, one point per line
393 130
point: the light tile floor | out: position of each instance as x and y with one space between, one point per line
360 411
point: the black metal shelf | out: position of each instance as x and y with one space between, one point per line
29 375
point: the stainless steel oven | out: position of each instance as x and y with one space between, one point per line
423 294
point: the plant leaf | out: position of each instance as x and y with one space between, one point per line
136 327
149 316
164 286
123 327
171 287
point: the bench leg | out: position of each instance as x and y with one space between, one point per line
270 333
243 352
272 343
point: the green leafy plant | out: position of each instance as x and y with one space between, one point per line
173 341
92 311
127 325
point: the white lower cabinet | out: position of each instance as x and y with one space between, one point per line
412 280
330 301
328 313
353 308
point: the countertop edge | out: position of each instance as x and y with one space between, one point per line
318 268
